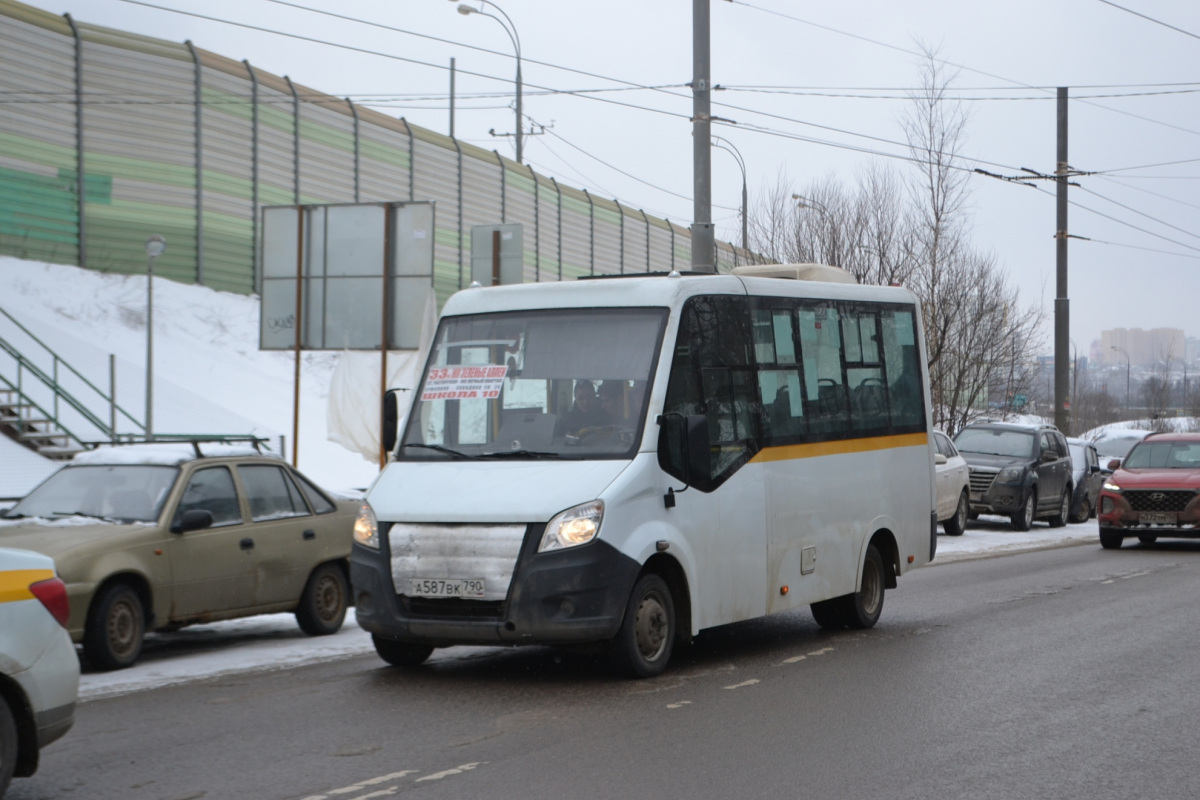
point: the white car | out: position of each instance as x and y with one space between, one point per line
953 479
39 671
1114 444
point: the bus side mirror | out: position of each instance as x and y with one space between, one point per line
391 417
683 446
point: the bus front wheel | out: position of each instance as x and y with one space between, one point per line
858 610
643 645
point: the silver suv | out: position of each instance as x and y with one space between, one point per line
1019 471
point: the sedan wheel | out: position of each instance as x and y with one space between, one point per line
115 628
958 523
322 606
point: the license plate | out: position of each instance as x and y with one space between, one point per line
450 587
1157 517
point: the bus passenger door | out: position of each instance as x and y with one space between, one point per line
722 513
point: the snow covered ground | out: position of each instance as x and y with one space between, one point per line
209 374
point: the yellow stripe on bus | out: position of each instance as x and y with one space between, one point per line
14 584
788 452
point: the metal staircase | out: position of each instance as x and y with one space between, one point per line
48 405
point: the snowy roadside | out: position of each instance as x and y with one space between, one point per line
274 642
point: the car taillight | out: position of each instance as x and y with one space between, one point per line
53 594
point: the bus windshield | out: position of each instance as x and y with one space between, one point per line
554 384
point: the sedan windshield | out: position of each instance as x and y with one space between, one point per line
548 384
1164 455
1018 444
120 493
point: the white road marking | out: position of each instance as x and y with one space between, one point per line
750 682
680 704
794 659
821 652
437 776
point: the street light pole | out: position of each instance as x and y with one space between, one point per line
155 247
511 30
1125 353
728 147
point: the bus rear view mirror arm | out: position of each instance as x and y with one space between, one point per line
683 449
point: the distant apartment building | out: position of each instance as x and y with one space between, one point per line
1142 347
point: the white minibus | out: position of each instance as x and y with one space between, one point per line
623 462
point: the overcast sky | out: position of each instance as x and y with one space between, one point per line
1135 85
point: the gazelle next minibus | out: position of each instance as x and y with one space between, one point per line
623 462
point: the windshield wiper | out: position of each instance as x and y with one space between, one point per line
81 514
6 515
436 447
530 454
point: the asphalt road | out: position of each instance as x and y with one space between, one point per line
1067 673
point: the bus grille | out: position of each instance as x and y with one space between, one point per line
1158 499
451 607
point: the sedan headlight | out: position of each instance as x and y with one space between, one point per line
366 528
575 526
1011 475
1109 486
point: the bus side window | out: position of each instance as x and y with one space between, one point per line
821 353
712 374
907 404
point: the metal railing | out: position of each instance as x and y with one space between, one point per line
48 393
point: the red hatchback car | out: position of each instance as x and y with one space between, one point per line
1155 492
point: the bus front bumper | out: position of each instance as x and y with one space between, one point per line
564 597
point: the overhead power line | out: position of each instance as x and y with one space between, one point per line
1150 19
948 63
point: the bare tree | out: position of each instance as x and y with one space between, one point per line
979 340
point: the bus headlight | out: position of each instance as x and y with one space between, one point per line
366 528
575 526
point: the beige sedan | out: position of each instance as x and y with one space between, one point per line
157 536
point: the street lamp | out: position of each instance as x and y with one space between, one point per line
511 30
1125 353
804 202
729 148
155 247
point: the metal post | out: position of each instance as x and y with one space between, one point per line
112 397
149 427
357 152
558 193
458 149
1062 309
620 237
702 226
257 264
198 105
451 98
80 182
295 146
591 233
389 243
296 369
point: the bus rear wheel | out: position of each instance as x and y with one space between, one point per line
858 610
643 645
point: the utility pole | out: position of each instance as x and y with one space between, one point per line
703 240
451 98
1062 309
